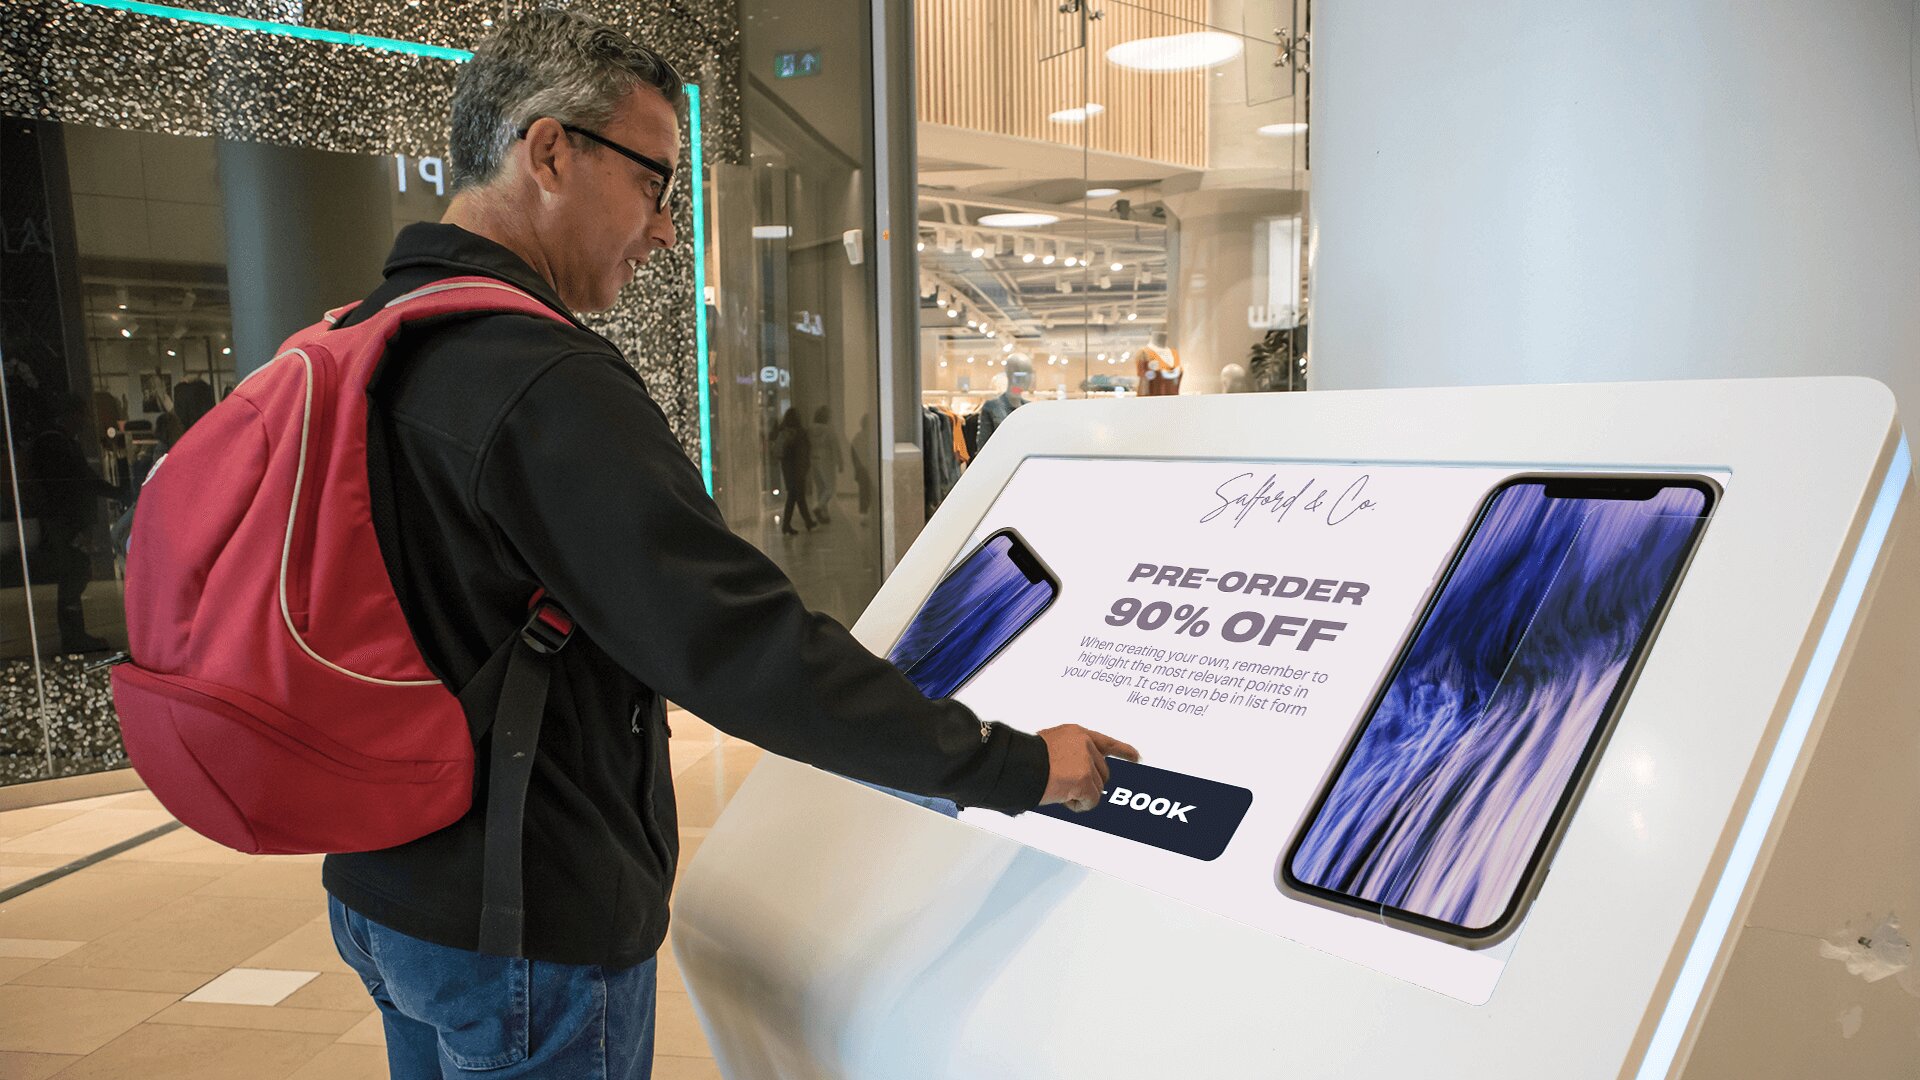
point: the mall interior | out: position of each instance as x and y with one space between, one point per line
1398 260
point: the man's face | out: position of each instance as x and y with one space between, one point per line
599 215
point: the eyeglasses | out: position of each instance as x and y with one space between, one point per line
664 200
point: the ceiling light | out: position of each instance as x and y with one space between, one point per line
1008 347
1071 261
226 352
978 253
1117 267
772 232
1027 258
953 313
921 246
1102 192
1281 131
125 332
1103 356
969 359
170 352
1047 259
1176 52
1079 115
943 363
1132 315
1017 221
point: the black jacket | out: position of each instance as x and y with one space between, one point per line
510 452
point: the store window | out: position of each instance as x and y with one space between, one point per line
796 356
1112 203
179 193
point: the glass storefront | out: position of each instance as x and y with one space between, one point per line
1112 201
180 190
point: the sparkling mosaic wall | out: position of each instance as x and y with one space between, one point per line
82 64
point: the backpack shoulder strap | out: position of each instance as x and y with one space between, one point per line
450 296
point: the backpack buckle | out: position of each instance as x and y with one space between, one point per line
548 629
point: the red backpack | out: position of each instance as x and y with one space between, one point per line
275 700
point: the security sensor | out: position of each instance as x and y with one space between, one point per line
856 249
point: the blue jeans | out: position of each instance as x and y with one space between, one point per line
452 1013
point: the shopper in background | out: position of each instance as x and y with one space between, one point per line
63 490
515 453
825 480
794 448
862 476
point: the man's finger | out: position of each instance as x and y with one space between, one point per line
1100 769
1112 747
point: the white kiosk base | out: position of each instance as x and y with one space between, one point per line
1722 905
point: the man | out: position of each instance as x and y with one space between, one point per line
511 453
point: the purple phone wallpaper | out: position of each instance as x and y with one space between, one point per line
1455 779
974 610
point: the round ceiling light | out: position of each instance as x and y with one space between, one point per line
1077 116
1102 192
1281 131
1017 221
1177 52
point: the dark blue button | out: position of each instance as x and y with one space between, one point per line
1168 810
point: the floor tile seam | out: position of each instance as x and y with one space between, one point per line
13 892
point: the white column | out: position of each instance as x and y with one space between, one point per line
1576 190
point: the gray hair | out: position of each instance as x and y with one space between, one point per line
545 63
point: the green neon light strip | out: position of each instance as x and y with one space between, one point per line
700 288
261 26
415 48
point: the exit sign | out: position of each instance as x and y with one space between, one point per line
796 65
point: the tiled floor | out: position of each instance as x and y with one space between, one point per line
182 959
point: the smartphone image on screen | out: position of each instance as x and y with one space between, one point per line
1444 809
982 604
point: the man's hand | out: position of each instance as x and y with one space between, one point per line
1077 765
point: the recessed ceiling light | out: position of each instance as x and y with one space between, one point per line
1078 116
1176 52
1017 221
771 232
1281 131
1102 192
226 352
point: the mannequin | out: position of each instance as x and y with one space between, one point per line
1233 379
1159 367
996 410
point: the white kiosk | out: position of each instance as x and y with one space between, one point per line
1725 896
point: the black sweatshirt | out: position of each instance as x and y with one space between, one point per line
510 452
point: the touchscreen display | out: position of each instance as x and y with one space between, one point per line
1453 785
974 611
